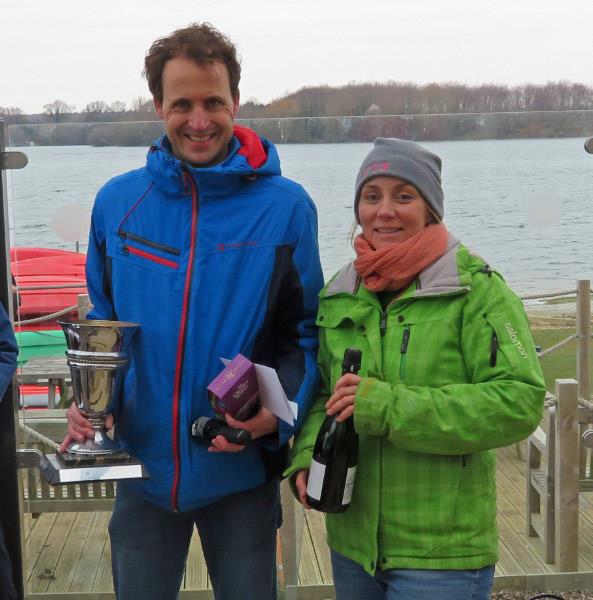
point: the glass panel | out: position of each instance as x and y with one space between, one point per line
523 203
65 525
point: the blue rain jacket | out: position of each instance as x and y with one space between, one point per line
8 351
210 262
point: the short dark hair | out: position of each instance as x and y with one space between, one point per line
200 42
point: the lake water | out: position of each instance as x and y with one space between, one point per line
525 205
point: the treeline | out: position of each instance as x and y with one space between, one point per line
395 98
352 113
305 130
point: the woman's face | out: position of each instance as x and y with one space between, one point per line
390 210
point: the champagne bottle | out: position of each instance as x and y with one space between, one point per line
333 468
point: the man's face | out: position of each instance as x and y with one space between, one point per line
198 110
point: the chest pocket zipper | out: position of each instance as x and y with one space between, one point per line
127 236
127 250
493 349
403 350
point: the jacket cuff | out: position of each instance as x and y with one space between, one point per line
371 403
274 441
301 461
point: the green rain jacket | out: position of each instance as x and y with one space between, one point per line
449 372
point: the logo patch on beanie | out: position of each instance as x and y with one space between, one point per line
379 167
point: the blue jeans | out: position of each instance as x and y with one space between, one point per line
352 582
149 545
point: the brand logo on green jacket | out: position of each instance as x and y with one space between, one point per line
515 340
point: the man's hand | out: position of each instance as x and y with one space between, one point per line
263 423
79 427
342 400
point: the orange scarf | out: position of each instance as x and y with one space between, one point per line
395 266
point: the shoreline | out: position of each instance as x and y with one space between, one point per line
546 315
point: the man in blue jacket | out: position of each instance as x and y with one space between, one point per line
213 253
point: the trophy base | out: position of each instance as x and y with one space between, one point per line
68 468
99 446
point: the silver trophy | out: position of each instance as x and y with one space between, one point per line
98 358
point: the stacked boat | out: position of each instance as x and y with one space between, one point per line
49 282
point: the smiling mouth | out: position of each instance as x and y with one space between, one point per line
388 229
199 139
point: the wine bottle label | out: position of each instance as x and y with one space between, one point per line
315 482
349 486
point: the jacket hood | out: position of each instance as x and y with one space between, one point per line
450 274
250 156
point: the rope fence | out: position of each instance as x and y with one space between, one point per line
550 401
557 346
560 294
50 317
38 436
548 295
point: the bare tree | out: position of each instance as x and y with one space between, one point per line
57 109
117 106
98 106
10 110
141 104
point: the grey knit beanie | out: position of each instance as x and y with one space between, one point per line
407 161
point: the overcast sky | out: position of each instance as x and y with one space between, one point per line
85 51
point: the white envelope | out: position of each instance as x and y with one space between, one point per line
271 393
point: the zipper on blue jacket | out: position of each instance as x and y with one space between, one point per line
181 341
493 349
403 350
126 235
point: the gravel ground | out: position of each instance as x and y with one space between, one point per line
586 595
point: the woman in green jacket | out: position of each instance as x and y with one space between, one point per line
449 372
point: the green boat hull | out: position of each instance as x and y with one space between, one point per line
50 342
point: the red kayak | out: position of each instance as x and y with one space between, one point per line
58 276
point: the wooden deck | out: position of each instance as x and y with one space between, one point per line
69 552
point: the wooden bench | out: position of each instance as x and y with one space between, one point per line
39 496
52 371
540 484
558 469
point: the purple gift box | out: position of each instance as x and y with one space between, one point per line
234 390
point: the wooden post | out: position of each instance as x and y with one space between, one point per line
290 536
566 476
534 500
550 510
584 336
84 306
583 324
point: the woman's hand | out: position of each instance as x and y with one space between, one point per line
300 482
263 423
341 402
